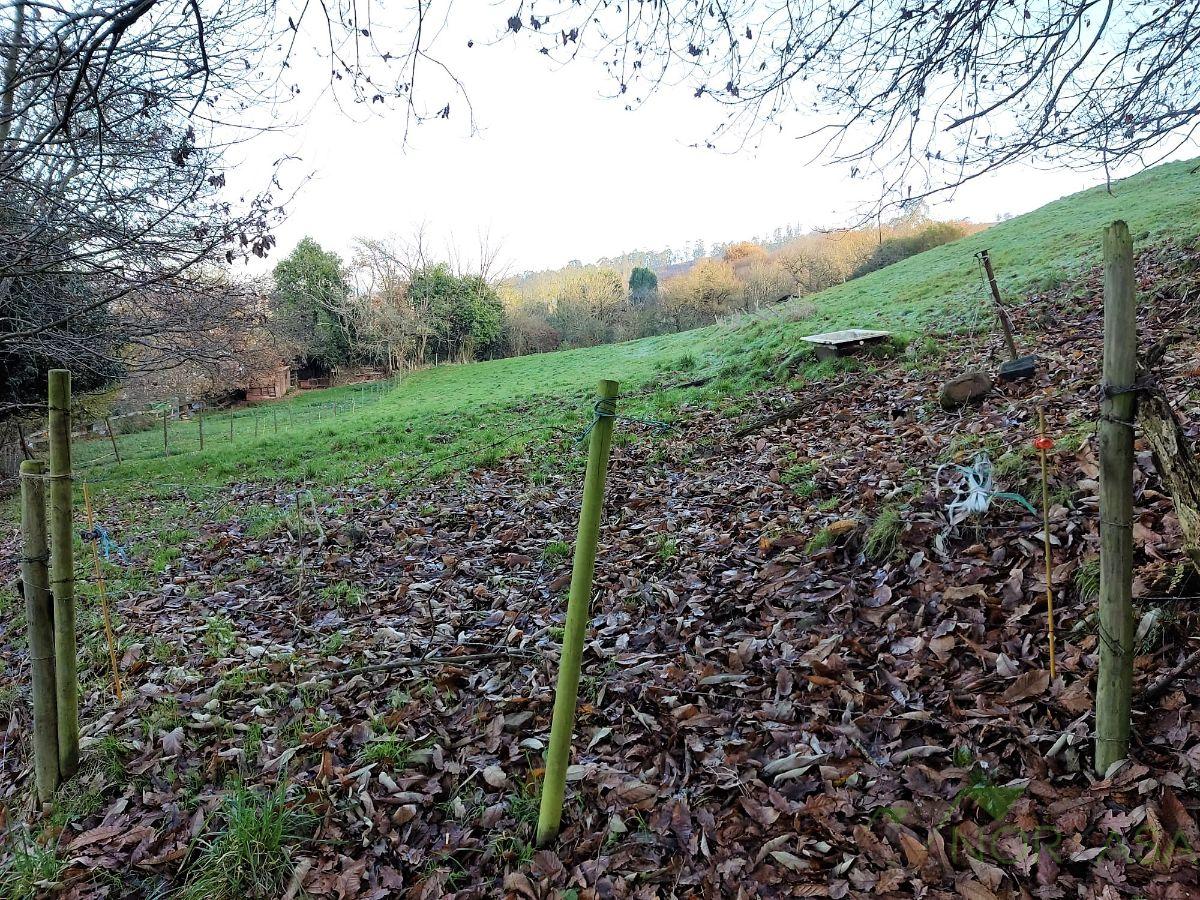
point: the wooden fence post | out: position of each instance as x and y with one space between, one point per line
567 690
112 439
231 426
62 572
200 422
166 446
1115 680
39 614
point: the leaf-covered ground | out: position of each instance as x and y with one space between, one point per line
798 680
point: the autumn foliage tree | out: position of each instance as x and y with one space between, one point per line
709 289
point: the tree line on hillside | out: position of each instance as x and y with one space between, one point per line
579 306
393 305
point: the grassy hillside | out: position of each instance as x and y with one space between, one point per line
453 416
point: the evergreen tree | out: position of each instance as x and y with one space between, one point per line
312 292
643 286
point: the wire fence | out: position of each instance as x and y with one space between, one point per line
223 429
185 428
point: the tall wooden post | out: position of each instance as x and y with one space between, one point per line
166 446
1114 684
39 614
1005 321
112 439
200 423
62 572
231 426
567 691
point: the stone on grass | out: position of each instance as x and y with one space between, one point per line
970 387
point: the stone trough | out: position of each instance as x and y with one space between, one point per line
833 344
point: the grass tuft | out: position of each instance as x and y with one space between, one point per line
26 866
251 856
523 804
1087 579
389 748
884 537
219 636
819 541
555 552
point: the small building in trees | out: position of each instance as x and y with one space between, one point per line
270 384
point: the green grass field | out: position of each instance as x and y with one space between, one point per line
456 416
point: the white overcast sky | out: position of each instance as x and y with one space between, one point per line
556 171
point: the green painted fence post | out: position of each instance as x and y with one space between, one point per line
39 615
62 573
1114 681
567 691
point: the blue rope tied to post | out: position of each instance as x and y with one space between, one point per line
601 409
607 409
107 545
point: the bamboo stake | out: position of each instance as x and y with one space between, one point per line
112 439
1043 444
98 571
567 691
39 613
1115 680
62 573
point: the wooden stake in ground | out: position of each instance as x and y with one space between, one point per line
200 422
567 691
166 446
1115 681
98 571
39 614
1043 444
112 438
231 426
62 573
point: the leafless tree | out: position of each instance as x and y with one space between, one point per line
118 199
922 95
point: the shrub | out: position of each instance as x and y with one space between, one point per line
901 247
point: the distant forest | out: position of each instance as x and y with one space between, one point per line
647 292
